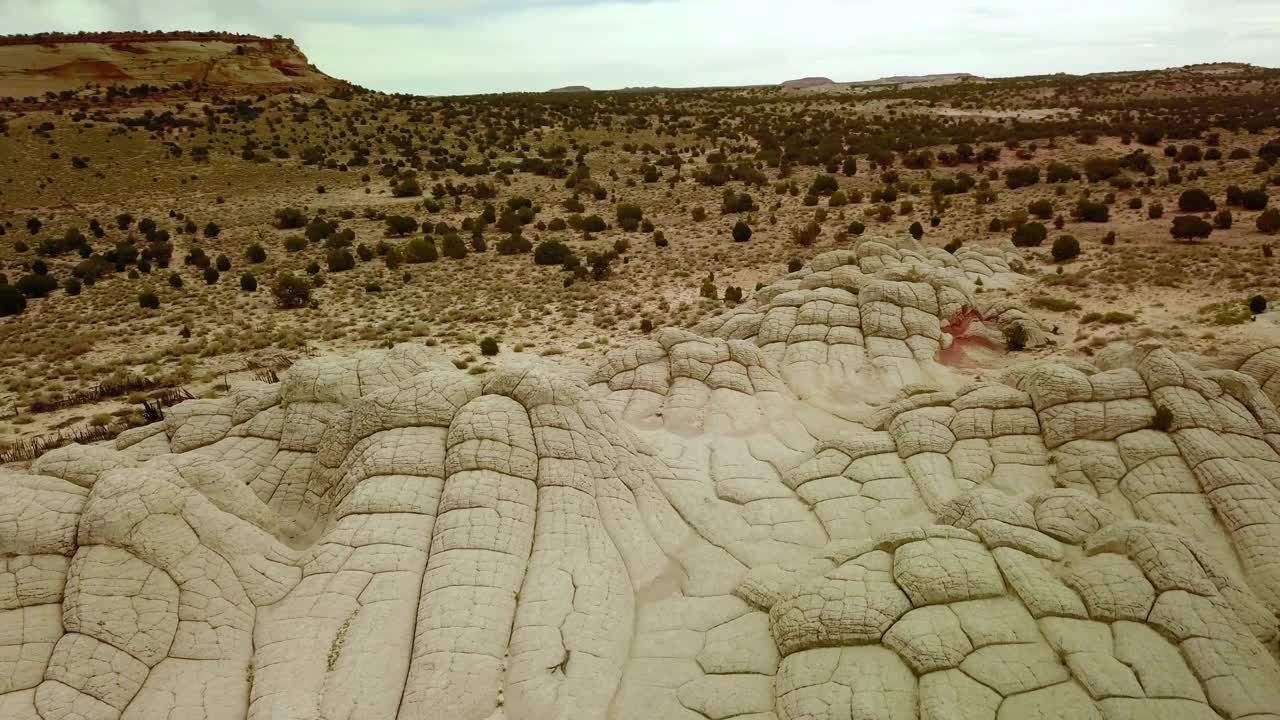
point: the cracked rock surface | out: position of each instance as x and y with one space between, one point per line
795 511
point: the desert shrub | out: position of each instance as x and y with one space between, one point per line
794 265
1023 176
556 224
364 252
1015 337
629 217
149 300
735 202
1065 247
1155 211
837 199
255 253
313 268
1190 153
1163 420
856 228
699 214
945 186
392 257
12 300
223 263
1196 200
1042 209
319 229
295 243
659 238
1190 227
420 250
408 187
36 285
212 230
1091 211
1060 172
288 218
551 252
1269 221
290 291
453 246
1257 304
599 264
1046 302
211 275
514 244
1223 219
823 185
1031 234
340 260
1235 196
807 235
953 246
175 280
71 286
916 230
399 225
489 347
248 282
593 223
1254 199
708 289
741 231
1097 169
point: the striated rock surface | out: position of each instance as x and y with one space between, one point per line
794 511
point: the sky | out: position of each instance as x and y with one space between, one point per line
449 47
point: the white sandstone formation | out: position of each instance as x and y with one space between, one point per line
793 512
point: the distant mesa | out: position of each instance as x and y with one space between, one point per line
571 89
827 84
33 65
807 82
937 79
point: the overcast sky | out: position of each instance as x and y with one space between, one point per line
473 46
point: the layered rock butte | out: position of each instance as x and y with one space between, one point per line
793 511
34 65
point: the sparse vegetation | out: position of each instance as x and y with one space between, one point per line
534 202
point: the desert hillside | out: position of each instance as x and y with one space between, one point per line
34 65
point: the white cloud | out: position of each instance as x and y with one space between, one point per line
457 46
